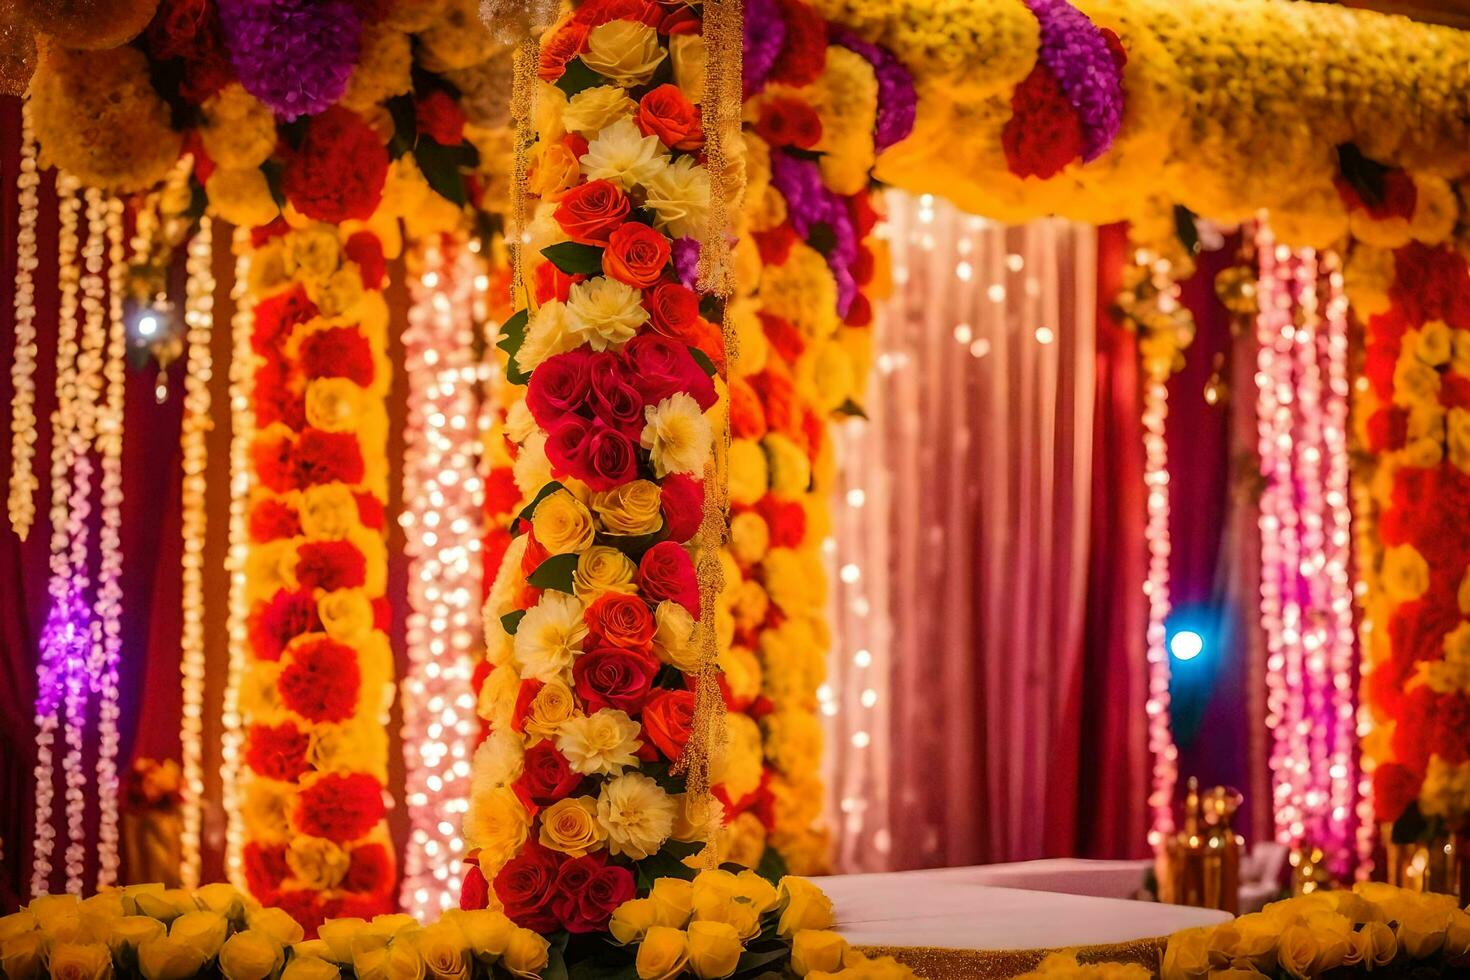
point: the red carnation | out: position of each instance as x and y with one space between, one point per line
614 677
860 312
1044 133
371 870
786 121
307 907
525 695
278 395
440 118
475 892
590 212
547 776
320 680
330 565
328 457
370 511
1388 429
747 415
526 886
501 494
786 520
1400 196
668 718
273 456
271 518
804 52
277 751
338 352
588 890
276 316
560 46
679 18
340 806
275 623
683 504
265 869
665 112
598 12
783 336
775 244
338 171
667 572
364 248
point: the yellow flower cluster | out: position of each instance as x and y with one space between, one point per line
1229 108
702 927
1374 927
1064 966
174 934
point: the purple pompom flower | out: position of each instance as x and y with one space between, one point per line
293 55
765 32
897 100
1077 53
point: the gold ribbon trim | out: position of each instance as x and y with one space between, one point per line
940 963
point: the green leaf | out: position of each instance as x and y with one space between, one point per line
405 125
801 154
274 170
556 965
574 258
753 961
1365 176
667 781
851 407
512 337
662 865
525 515
1412 827
634 545
554 573
592 970
712 308
578 77
440 166
702 359
1186 228
511 621
772 866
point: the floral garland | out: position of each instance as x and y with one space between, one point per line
1413 416
316 691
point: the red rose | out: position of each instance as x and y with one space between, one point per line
328 457
785 121
275 623
804 52
566 445
560 46
559 387
338 352
320 680
547 776
525 695
271 518
330 565
526 886
340 806
659 367
590 212
683 504
598 12
440 118
206 71
680 20
668 718
620 620
176 28
588 890
475 892
276 316
1394 788
636 255
666 572
611 459
265 869
553 284
614 677
667 114
371 870
277 751
1044 133
364 248
673 308
337 173
272 454
615 403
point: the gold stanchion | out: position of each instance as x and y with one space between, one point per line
1201 865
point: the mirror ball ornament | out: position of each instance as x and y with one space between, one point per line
91 25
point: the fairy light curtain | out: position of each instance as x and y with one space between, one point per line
961 531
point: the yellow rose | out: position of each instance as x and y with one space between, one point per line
169 904
276 923
445 952
1187 955
1422 929
602 569
498 824
335 937
714 949
1377 944
487 931
250 955
673 635
134 930
1297 951
312 968
404 961
562 524
526 954
552 705
370 962
203 930
571 826
816 949
663 954
760 893
1405 573
625 51
556 171
689 55
591 109
673 901
632 920
630 509
81 961
17 924
693 818
24 957
166 959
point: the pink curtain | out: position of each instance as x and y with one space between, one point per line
961 544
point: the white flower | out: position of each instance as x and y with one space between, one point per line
637 814
604 312
550 636
594 109
499 761
550 332
532 469
602 742
678 196
622 154
677 435
518 422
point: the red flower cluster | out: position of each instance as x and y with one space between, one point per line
1044 133
337 172
545 891
277 751
320 680
330 565
277 622
338 352
667 572
340 807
